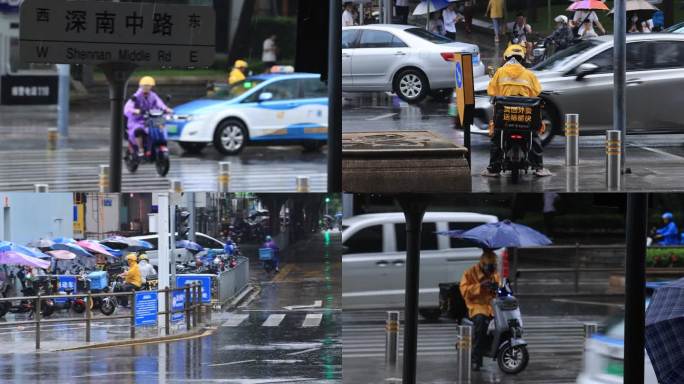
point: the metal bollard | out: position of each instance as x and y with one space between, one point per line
391 342
132 302
104 178
175 186
187 307
465 336
613 154
41 188
224 176
89 316
590 329
53 137
571 139
38 315
302 184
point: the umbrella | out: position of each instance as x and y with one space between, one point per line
120 242
642 8
5 246
42 243
112 251
63 240
588 5
18 258
62 255
94 247
501 234
30 251
428 6
664 330
189 245
72 247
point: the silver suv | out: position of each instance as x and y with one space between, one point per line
579 80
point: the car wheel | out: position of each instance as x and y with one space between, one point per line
430 314
192 148
411 85
549 117
230 137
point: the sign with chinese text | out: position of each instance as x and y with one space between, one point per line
146 308
28 90
203 280
65 283
177 304
146 34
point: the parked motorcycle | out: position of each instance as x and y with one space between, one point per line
98 282
515 120
47 306
154 143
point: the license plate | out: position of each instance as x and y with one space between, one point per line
615 368
170 128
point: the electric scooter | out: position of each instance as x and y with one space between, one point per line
155 144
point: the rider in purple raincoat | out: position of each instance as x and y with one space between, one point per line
145 100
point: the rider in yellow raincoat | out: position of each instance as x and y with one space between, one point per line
478 288
513 79
237 74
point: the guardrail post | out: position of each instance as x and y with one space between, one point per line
200 306
465 337
104 178
195 302
132 301
53 135
613 158
167 315
571 139
38 314
187 307
590 329
89 316
392 337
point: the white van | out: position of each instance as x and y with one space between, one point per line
374 256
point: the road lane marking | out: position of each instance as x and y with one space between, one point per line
312 320
386 115
615 305
302 352
273 320
316 304
282 274
231 363
658 151
235 320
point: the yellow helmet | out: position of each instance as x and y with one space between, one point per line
132 257
514 50
147 80
240 64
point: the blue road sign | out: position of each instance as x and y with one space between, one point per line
459 75
204 280
177 303
146 308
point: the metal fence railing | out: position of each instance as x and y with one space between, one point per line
232 281
193 309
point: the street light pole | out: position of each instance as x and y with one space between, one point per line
635 290
619 74
162 249
414 207
335 97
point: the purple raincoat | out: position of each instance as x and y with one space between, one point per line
145 103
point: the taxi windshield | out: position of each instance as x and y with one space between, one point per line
235 90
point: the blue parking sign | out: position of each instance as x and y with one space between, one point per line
203 280
146 308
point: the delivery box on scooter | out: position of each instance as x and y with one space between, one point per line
519 113
98 280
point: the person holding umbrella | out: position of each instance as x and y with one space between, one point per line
451 17
478 287
585 17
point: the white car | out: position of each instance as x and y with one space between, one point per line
404 59
182 255
275 109
374 257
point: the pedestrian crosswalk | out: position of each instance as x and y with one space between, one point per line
546 337
295 319
272 169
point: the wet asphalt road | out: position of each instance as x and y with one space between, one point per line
75 165
262 341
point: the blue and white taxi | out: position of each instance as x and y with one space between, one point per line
275 108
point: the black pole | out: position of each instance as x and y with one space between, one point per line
414 209
335 97
117 76
635 291
466 143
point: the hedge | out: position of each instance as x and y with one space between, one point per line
665 257
283 27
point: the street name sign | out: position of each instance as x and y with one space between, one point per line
95 32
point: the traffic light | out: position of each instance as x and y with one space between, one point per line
327 199
183 225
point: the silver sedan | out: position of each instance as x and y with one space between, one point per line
404 59
579 80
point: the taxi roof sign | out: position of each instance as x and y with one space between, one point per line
282 69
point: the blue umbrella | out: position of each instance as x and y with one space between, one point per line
30 251
500 235
114 252
63 240
664 330
128 244
189 245
71 247
5 246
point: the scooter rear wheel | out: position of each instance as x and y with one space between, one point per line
78 306
107 306
132 161
163 164
511 359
